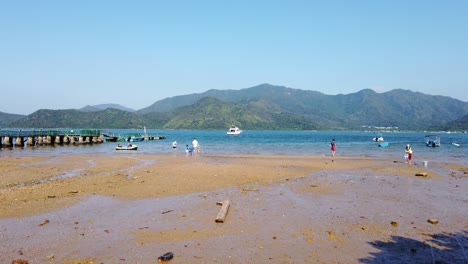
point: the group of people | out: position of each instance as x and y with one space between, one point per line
408 152
194 149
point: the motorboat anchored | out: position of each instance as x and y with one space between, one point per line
233 130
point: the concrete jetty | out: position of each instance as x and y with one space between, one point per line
44 137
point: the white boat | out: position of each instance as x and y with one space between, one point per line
129 147
233 130
378 138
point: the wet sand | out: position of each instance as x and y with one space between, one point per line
284 209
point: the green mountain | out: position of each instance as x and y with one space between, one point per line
99 107
271 107
111 118
6 119
397 108
212 113
460 124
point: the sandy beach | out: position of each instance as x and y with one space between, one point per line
283 209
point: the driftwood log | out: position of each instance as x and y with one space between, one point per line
223 212
19 261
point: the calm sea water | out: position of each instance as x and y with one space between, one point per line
276 142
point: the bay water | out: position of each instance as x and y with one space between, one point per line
313 143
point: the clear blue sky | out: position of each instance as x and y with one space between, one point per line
68 54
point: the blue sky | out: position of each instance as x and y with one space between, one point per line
68 54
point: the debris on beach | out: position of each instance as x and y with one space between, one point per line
165 212
19 261
421 174
45 222
394 223
223 211
433 221
166 257
249 189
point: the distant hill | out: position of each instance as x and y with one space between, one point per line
109 118
6 119
212 113
460 124
397 108
95 108
270 107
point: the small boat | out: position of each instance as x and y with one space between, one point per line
129 147
384 144
110 138
378 138
135 139
233 130
455 144
432 141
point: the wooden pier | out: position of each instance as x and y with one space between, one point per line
44 137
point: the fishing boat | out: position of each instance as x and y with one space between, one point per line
432 141
233 130
110 138
128 147
136 138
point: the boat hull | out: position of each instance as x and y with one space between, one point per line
234 131
134 147
383 145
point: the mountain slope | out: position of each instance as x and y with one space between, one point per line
460 124
212 113
99 107
6 119
397 108
109 118
271 107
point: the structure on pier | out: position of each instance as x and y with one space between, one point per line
38 137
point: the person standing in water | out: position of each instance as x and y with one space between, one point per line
333 149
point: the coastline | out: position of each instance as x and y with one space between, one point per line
290 200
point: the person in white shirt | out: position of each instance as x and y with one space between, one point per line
196 147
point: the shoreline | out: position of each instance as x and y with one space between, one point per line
284 209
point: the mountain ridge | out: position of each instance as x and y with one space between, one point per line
268 106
